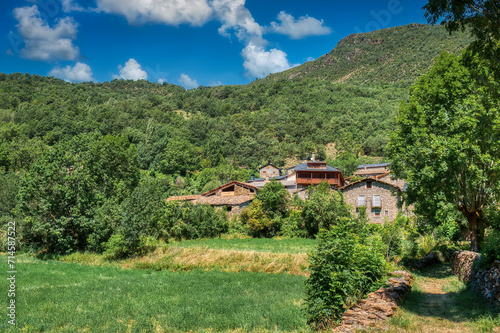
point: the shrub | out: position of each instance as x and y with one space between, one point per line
115 247
345 265
490 248
256 221
190 221
293 225
324 208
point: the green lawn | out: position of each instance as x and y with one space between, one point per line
67 297
286 245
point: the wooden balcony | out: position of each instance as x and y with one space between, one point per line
316 181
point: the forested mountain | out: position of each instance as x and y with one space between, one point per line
395 55
347 97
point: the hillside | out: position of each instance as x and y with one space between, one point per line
347 98
399 54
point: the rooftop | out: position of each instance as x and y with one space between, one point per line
379 165
304 167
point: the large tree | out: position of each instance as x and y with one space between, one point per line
447 142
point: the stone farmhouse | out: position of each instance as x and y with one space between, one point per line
382 199
233 197
372 170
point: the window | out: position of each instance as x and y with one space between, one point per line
267 167
368 184
386 212
376 212
376 201
361 200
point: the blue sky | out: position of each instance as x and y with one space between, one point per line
186 42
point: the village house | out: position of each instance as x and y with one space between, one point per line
314 172
288 181
269 171
233 197
372 170
382 199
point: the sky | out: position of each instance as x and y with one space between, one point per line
185 42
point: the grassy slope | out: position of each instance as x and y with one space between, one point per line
66 297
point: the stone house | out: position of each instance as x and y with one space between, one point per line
269 171
381 199
289 181
233 197
372 170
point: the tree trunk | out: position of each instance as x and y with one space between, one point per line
476 227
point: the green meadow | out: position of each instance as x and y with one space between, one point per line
53 296
273 245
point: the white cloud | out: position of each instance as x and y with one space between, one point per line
42 42
79 73
259 62
161 80
131 71
310 59
305 26
188 82
234 15
171 12
70 6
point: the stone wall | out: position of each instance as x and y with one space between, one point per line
377 306
483 281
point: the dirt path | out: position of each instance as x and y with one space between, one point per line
440 303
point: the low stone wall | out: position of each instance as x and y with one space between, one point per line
485 281
377 306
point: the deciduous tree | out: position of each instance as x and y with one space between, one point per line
447 142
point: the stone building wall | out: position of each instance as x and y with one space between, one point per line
389 196
483 281
269 171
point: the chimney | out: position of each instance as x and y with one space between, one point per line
313 158
252 177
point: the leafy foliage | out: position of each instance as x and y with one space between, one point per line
59 195
447 142
345 265
323 208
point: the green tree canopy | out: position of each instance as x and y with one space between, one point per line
447 142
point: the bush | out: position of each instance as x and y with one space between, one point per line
257 222
293 225
190 221
115 247
490 248
345 265
324 208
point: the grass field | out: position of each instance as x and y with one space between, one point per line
274 245
56 296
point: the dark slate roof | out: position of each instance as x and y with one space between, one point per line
362 166
303 167
262 179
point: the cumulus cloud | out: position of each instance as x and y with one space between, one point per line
305 26
171 12
131 71
188 82
259 62
79 73
235 16
42 42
